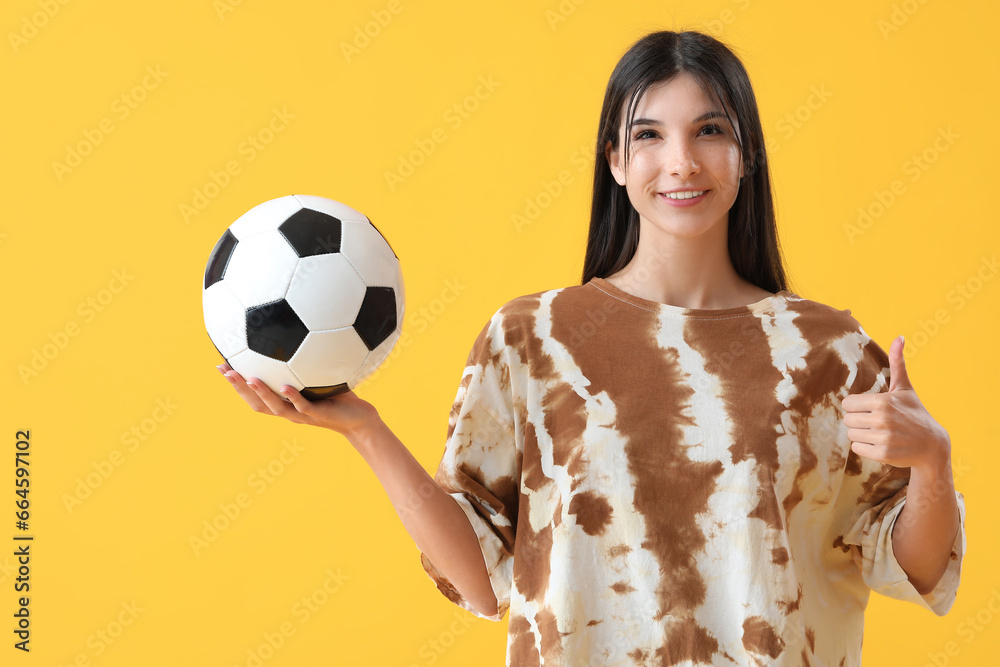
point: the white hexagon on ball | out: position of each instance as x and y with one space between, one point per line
264 217
261 268
274 373
369 253
314 306
224 319
328 357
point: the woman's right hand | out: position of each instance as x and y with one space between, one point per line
345 413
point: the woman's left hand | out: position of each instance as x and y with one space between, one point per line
894 427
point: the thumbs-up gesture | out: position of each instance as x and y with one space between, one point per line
894 427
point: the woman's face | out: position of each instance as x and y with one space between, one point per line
680 140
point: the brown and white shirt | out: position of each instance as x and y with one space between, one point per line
658 485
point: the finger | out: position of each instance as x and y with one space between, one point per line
898 377
299 402
861 402
246 393
861 420
865 436
274 402
866 450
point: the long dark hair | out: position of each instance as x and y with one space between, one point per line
614 222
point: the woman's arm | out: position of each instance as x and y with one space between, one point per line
437 524
893 427
925 529
432 517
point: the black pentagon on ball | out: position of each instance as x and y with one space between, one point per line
274 330
312 232
319 393
377 316
219 259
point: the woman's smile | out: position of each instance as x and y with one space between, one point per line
685 197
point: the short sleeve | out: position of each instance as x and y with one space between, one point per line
879 493
480 467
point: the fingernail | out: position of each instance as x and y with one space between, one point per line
286 390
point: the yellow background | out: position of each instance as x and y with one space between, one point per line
849 93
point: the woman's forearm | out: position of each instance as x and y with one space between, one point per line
925 529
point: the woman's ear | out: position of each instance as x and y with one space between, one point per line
613 157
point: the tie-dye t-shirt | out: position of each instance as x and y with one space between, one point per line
658 485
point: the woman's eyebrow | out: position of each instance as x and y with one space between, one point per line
705 116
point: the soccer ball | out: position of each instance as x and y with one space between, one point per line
303 291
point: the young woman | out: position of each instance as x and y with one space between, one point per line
678 461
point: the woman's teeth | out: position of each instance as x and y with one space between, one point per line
684 195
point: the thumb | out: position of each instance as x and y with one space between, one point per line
898 379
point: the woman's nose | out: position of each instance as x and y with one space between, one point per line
680 159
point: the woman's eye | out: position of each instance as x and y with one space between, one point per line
649 134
